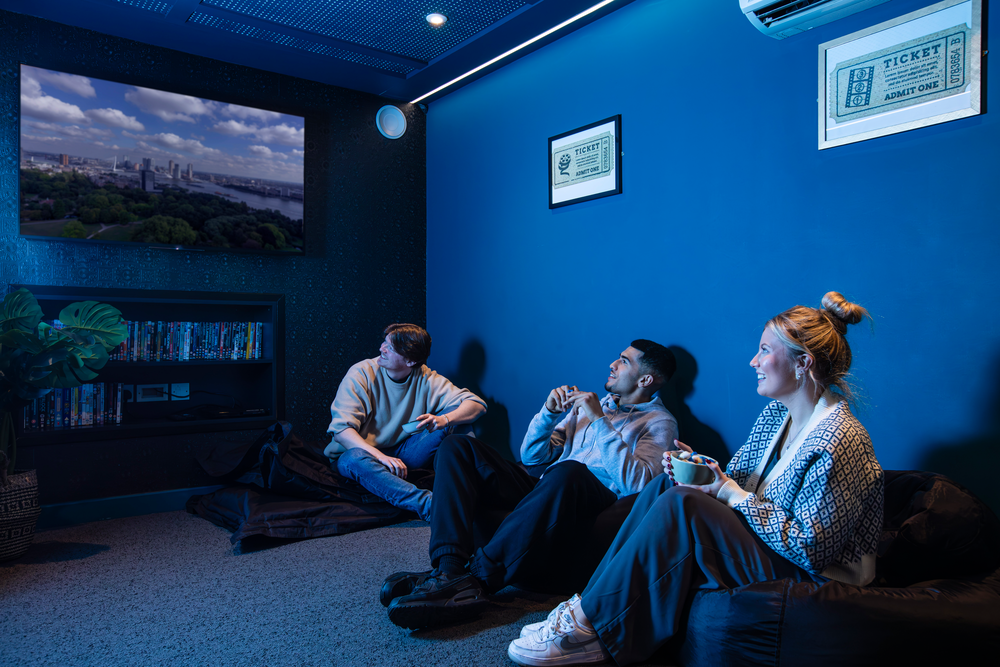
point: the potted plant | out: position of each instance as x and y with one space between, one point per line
36 358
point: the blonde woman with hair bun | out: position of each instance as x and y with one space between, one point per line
802 499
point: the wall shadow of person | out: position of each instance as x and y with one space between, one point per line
699 436
493 428
973 462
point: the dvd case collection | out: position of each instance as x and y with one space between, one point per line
100 403
184 341
96 404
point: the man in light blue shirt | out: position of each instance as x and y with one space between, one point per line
597 451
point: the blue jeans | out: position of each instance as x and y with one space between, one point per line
417 451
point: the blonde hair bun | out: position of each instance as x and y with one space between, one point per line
836 305
820 333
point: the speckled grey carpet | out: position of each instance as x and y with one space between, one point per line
169 589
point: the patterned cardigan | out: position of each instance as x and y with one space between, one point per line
824 511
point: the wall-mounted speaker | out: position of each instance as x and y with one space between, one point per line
391 122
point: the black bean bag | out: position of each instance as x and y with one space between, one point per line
250 511
283 487
936 598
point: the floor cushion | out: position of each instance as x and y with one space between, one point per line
283 487
936 599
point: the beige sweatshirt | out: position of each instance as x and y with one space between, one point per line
376 406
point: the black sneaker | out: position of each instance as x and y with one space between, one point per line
399 584
441 599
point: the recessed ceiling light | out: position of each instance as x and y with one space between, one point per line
437 20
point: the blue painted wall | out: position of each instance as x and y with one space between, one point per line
729 215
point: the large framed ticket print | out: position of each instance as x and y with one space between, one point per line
917 70
586 163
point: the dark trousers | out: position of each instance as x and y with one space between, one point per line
674 542
548 517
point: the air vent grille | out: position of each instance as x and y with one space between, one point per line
785 9
782 18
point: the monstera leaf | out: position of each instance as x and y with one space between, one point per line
16 347
99 320
16 340
21 364
36 358
67 359
20 311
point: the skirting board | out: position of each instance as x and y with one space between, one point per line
99 509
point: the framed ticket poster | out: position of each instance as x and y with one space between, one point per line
920 69
586 163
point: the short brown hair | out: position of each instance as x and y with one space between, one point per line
410 341
820 333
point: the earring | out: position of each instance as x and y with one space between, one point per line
798 373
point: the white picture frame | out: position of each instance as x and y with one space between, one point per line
920 69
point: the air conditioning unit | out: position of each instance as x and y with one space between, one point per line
784 18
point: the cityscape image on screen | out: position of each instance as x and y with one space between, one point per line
106 161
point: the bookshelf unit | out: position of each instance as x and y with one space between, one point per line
251 384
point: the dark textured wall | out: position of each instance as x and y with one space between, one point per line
365 226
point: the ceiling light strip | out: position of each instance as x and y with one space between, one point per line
516 48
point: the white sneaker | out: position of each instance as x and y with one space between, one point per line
532 628
560 641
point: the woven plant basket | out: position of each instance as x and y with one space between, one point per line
19 510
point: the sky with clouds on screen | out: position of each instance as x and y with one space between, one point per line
77 115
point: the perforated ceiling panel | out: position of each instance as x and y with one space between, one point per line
392 26
157 6
382 47
296 43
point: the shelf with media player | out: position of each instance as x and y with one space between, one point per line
192 362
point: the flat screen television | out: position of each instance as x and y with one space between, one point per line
107 162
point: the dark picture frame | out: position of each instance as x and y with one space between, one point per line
586 163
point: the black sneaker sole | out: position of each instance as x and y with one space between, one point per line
420 615
400 584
